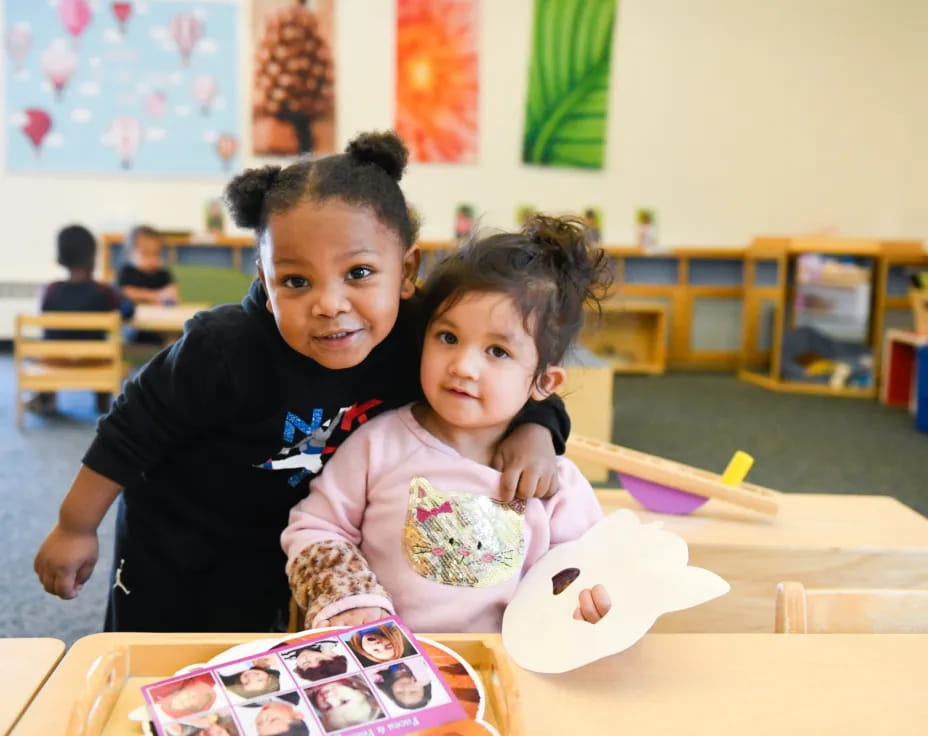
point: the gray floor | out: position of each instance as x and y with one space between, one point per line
803 444
36 468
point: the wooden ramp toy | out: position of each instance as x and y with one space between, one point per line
674 488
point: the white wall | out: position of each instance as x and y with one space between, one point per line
729 117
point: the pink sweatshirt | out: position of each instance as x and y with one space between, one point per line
426 521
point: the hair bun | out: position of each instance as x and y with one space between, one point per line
244 196
545 230
385 150
561 240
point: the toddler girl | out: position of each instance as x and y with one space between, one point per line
410 503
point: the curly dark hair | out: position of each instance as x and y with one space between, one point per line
367 174
549 269
77 247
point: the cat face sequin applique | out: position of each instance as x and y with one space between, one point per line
462 538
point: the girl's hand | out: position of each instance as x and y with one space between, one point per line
527 460
65 561
356 617
594 604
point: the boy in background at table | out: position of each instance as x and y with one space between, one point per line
143 278
77 251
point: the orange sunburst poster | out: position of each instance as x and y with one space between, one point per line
437 83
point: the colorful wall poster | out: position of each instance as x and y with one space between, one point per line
124 87
568 83
437 79
293 99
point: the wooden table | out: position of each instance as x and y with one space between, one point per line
754 684
24 665
666 684
822 541
163 318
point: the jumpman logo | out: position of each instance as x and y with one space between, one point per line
119 583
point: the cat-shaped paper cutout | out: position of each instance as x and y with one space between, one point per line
643 568
462 538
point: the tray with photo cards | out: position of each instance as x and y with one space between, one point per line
374 678
98 683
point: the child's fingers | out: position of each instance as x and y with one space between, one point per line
601 600
586 607
509 483
63 584
543 487
83 574
594 604
48 576
529 484
553 485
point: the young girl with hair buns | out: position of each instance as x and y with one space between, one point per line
216 438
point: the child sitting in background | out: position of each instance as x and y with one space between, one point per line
409 501
77 251
143 279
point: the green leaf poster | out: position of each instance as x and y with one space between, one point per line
568 87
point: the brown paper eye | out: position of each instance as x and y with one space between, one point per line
562 580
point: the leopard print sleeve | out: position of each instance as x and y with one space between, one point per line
326 572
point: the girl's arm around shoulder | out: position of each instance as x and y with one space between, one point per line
550 414
575 508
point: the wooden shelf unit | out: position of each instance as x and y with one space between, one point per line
769 266
715 298
631 336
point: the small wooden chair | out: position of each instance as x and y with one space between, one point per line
850 610
56 365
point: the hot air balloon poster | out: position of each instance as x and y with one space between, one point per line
146 87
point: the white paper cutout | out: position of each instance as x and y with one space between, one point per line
643 568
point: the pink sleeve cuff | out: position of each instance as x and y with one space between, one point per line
366 600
